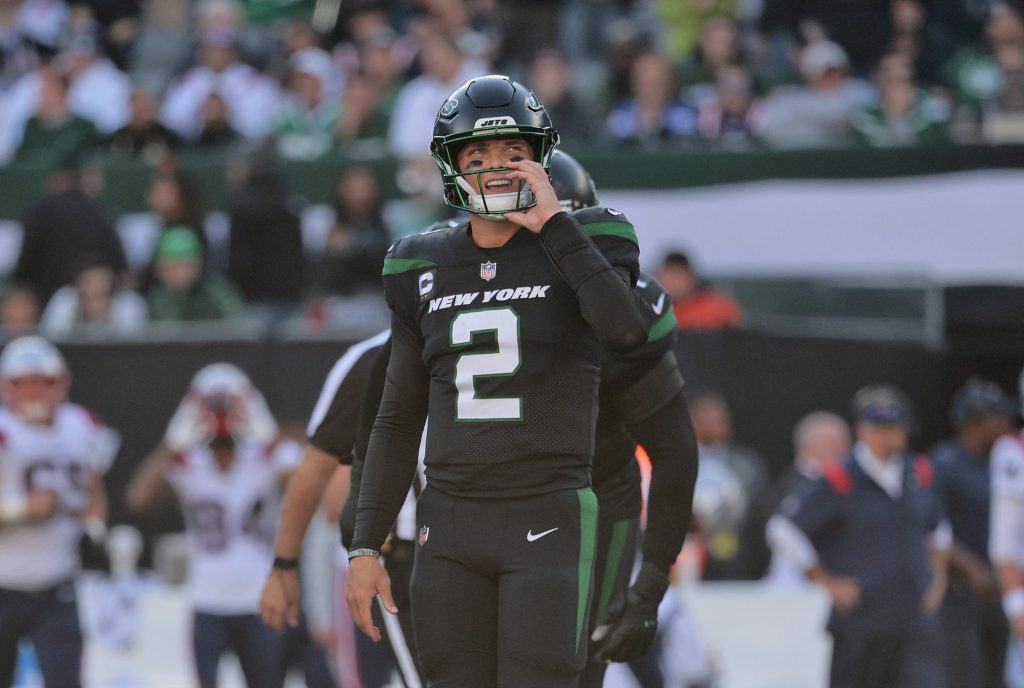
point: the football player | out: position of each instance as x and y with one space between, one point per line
52 454
224 459
641 401
1006 539
497 332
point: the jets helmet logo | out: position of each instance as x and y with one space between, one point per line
449 107
488 270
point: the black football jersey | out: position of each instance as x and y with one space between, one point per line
512 364
616 475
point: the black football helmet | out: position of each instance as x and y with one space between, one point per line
490 106
572 183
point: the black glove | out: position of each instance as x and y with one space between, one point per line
628 632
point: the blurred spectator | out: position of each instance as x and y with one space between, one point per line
417 104
871 533
988 83
181 291
818 113
718 48
379 60
143 136
906 115
266 260
117 26
921 37
697 304
94 301
362 125
863 28
725 114
99 91
216 131
685 23
61 228
305 125
624 42
355 247
19 310
54 135
42 21
821 441
18 53
654 115
252 96
733 497
551 80
177 200
453 19
973 624
528 27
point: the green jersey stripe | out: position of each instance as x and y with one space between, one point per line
663 326
610 228
396 266
612 566
588 545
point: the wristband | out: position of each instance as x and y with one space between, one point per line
1013 602
285 564
363 552
13 509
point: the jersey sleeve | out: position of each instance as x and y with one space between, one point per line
391 454
668 438
333 424
101 442
367 415
601 266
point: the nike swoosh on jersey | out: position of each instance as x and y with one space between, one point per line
530 537
660 306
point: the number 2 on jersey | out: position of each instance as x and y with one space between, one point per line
505 361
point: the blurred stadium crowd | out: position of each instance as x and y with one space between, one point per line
260 81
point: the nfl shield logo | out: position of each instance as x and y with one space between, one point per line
488 270
424 534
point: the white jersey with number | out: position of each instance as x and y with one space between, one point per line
60 457
230 518
1006 537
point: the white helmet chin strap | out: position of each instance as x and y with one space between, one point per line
497 204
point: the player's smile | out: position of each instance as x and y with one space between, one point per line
490 158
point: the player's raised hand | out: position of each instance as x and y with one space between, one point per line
279 603
367 579
533 174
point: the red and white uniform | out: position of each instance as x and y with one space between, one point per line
1006 539
231 518
60 457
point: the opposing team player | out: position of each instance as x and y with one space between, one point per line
497 332
1006 539
223 457
52 454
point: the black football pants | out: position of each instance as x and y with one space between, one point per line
501 589
616 551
